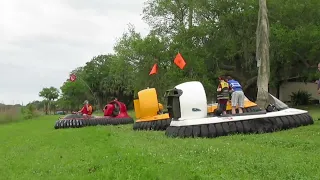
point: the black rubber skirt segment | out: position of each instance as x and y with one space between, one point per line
77 123
161 125
263 125
158 125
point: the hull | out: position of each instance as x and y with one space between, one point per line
255 122
152 125
147 110
83 122
115 113
161 123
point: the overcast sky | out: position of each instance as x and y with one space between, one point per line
41 41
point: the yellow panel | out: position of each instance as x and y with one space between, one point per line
247 104
136 105
154 118
148 101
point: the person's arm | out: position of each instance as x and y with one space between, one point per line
219 87
81 109
230 88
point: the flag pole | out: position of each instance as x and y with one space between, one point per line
94 97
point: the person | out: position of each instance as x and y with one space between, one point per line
237 95
86 109
223 94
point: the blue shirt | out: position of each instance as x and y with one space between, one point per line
235 85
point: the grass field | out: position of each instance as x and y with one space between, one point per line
35 150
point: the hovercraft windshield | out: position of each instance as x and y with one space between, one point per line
279 105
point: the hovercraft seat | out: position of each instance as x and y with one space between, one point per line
112 109
115 109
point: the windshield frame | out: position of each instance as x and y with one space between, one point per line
278 103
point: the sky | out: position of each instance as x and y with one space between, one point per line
41 41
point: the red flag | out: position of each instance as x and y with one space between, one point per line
154 69
73 77
179 61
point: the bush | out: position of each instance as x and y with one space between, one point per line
8 115
300 98
29 112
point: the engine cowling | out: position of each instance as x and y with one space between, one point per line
187 101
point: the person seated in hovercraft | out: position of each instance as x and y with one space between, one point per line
110 108
237 95
223 94
86 110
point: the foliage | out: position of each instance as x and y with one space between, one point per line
49 94
29 112
214 37
15 113
300 98
34 149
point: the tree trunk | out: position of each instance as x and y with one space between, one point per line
45 108
262 55
190 15
49 107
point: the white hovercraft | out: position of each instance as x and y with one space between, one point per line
187 106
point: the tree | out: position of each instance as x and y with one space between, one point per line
263 55
49 94
73 94
214 37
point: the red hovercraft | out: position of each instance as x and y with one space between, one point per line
115 113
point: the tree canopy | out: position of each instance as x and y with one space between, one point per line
214 38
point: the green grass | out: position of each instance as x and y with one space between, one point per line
35 150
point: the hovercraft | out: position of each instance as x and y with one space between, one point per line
115 113
150 114
187 106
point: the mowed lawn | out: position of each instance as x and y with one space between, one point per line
35 150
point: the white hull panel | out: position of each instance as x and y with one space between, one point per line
214 120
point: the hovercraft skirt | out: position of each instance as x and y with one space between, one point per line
261 125
163 124
155 125
77 123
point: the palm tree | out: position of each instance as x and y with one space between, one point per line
262 54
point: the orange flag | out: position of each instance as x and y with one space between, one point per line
154 69
179 61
